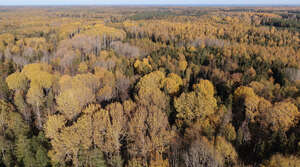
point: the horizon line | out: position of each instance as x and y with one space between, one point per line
206 5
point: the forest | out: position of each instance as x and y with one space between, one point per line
136 86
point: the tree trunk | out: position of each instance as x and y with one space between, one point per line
38 117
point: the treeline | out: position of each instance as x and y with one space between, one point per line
88 87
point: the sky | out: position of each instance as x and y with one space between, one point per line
148 2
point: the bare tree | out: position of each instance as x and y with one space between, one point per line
125 49
122 86
28 52
201 154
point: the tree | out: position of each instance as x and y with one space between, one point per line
149 132
143 67
182 65
22 106
86 80
31 152
54 124
146 145
105 94
150 80
122 86
228 132
17 81
23 152
107 89
94 131
172 83
40 79
93 158
30 69
7 129
83 67
204 87
201 152
12 121
243 91
279 160
68 140
111 141
19 148
226 150
35 97
71 101
126 49
196 105
282 116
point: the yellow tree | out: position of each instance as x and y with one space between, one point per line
143 67
152 79
243 92
108 88
66 140
36 97
95 129
31 69
172 83
40 79
226 150
282 116
149 132
76 92
279 160
204 87
109 132
86 80
71 101
198 104
17 81
182 65
83 67
54 125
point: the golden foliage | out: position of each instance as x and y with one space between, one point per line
204 87
16 81
54 124
142 67
279 160
83 67
182 65
283 115
227 150
172 83
151 80
198 104
243 91
71 101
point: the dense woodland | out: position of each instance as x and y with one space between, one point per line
149 86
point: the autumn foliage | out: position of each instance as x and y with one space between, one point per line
149 87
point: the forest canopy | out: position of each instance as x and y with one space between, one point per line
149 87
